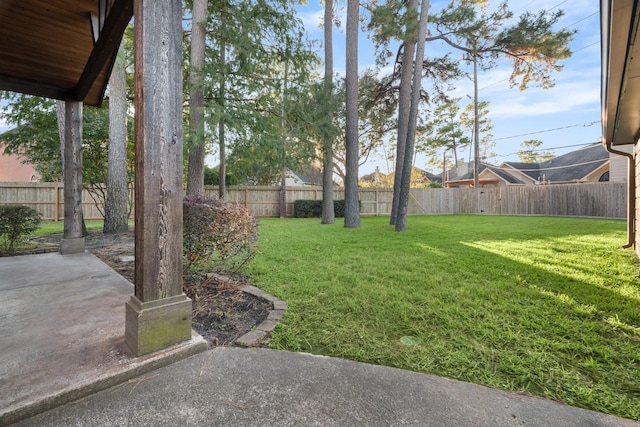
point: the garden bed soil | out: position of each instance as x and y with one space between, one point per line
222 312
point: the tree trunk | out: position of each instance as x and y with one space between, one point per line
116 207
222 173
351 205
404 105
328 213
195 167
222 169
476 126
401 221
285 133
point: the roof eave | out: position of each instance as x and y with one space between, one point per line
620 86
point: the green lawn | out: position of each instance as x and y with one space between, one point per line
550 306
51 227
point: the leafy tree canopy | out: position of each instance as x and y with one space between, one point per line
530 152
35 137
257 62
531 43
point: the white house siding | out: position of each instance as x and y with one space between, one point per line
618 164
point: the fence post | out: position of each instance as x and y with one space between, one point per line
376 197
56 202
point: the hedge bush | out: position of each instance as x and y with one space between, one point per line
16 222
313 208
217 236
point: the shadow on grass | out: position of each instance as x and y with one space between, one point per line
489 300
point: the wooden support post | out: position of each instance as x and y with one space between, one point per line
159 314
72 240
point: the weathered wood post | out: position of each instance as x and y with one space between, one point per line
72 240
159 314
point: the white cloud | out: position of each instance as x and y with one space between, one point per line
521 108
565 97
312 20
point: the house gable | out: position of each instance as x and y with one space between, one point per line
528 172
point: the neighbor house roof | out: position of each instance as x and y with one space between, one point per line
573 166
468 175
309 175
467 178
502 174
432 176
47 47
485 170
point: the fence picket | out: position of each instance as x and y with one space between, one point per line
602 200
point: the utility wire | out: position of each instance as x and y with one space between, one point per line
561 167
584 144
584 47
561 3
546 130
577 22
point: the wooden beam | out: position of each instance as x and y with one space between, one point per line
41 89
106 47
158 149
159 314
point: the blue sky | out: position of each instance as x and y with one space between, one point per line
566 115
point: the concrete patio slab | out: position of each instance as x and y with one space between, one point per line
229 386
62 331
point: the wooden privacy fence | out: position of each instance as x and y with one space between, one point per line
602 200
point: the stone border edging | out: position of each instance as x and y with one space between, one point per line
261 332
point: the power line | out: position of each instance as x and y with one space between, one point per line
562 167
584 144
547 130
584 47
561 3
577 22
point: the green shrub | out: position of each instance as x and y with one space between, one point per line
217 236
16 222
338 208
313 208
212 177
307 208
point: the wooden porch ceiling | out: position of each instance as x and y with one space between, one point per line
47 47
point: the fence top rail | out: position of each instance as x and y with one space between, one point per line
266 187
30 184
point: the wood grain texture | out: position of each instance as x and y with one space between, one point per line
73 170
47 49
158 104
